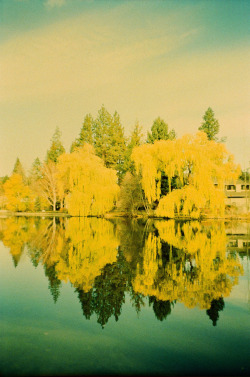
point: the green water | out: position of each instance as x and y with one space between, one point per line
92 296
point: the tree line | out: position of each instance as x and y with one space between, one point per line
161 174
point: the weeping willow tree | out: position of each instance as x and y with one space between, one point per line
192 164
89 188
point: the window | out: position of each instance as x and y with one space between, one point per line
246 243
233 243
230 187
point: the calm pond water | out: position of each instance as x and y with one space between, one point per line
92 296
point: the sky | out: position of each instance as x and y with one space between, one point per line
63 59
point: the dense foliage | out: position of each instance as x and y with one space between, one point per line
195 163
88 186
163 175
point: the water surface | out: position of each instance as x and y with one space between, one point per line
92 296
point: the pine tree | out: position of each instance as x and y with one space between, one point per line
117 150
101 138
136 137
211 126
35 171
159 131
86 133
135 140
36 175
109 140
56 148
18 169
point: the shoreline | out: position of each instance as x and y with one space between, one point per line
111 215
4 213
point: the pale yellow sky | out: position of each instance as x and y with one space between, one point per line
144 63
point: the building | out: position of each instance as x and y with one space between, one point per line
238 195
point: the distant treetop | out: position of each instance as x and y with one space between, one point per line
56 148
159 131
211 126
18 169
86 133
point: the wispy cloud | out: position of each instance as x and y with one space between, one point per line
189 33
87 51
54 3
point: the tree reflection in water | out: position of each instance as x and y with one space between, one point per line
159 262
213 312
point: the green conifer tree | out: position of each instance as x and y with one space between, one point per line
135 140
35 171
86 133
18 169
117 146
56 148
159 131
101 138
211 126
109 140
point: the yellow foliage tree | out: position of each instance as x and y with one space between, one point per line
90 188
197 162
19 196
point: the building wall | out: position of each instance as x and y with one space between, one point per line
242 204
